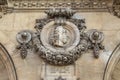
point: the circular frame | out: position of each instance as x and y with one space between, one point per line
21 40
72 28
54 56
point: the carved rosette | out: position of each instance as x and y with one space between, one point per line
60 39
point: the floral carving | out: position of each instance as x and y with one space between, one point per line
61 54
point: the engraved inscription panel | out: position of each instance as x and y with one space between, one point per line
55 72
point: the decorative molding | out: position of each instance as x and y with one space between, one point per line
82 4
60 39
113 60
23 38
35 5
9 64
111 6
116 8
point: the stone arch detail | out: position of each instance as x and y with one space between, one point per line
8 63
113 60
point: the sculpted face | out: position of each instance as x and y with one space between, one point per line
60 36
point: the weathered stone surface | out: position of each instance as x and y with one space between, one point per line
87 68
116 72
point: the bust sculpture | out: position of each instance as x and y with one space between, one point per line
60 36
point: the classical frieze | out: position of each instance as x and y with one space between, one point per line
79 5
39 5
88 4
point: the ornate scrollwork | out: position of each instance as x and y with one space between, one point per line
61 38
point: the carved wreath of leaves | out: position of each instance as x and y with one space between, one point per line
66 57
58 58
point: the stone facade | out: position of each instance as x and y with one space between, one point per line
85 68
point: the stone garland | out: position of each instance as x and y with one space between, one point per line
89 40
56 58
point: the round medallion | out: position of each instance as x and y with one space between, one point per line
23 37
60 38
59 43
96 36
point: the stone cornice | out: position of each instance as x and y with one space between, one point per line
110 6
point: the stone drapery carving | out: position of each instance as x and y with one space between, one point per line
68 35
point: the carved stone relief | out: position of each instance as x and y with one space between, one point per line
116 8
111 6
24 38
50 72
81 3
60 39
